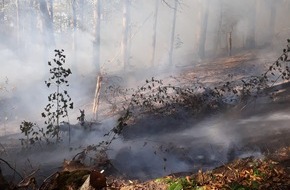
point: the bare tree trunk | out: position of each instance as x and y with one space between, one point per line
154 33
50 10
32 17
97 40
97 56
126 31
203 30
218 35
74 24
18 21
81 14
230 43
2 11
251 36
172 38
97 97
47 24
74 35
2 17
272 24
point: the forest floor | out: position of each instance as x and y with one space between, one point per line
272 169
262 125
247 173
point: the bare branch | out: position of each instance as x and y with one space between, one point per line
27 181
46 180
11 167
179 2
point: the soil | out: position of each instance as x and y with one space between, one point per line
261 129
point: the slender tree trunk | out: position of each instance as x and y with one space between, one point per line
272 24
172 38
230 43
251 36
74 24
2 10
2 17
97 60
50 10
203 30
18 21
51 16
126 31
97 40
32 23
47 29
97 97
74 35
218 35
81 14
154 33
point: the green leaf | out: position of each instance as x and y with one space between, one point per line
175 186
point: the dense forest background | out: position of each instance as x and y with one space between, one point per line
185 84
115 34
113 37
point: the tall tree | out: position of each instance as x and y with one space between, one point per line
203 29
96 54
97 40
126 33
74 24
33 21
2 15
81 5
50 9
47 22
217 42
272 24
251 28
18 21
154 37
172 37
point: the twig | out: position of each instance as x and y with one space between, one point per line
43 185
4 149
1 159
28 180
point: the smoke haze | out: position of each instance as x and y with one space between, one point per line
26 46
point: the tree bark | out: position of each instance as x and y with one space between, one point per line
2 17
74 25
18 21
47 28
50 10
97 40
97 97
33 22
251 31
81 14
154 33
230 43
126 31
172 38
96 54
217 43
272 24
203 30
2 11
